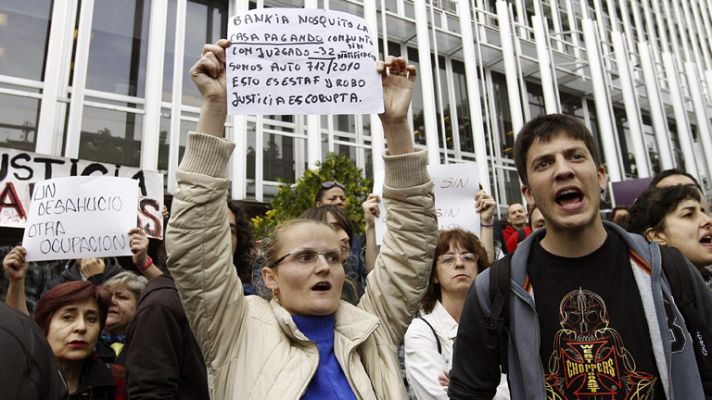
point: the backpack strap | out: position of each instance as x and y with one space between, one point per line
437 340
497 323
674 265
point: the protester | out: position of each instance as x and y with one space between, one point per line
459 258
243 246
572 304
674 216
337 219
28 370
517 228
334 193
371 211
71 315
536 219
676 176
619 215
163 359
291 344
37 279
126 288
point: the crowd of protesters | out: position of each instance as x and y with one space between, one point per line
559 304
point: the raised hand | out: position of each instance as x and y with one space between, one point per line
397 78
15 265
208 75
485 206
138 241
371 211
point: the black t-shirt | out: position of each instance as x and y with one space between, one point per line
595 342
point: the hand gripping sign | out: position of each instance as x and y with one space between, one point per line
301 61
81 216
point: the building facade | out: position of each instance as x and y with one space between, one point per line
108 81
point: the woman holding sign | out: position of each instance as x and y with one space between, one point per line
305 342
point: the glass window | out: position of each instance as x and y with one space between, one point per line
111 136
251 152
279 157
503 115
443 120
535 98
168 52
119 47
206 22
24 33
18 122
416 105
463 107
164 138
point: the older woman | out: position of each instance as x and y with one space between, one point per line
306 342
126 288
72 315
459 257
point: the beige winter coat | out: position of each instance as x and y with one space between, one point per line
252 347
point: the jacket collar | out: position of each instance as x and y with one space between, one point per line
443 320
635 243
161 282
352 322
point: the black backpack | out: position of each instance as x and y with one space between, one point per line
674 266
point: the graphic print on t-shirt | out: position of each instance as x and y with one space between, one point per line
589 359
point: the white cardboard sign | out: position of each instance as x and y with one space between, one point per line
301 61
20 171
79 217
455 189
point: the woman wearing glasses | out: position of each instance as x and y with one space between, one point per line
305 342
459 257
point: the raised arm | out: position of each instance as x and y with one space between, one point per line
402 269
371 212
15 268
198 235
485 205
139 247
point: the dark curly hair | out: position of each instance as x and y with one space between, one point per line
468 241
654 204
244 257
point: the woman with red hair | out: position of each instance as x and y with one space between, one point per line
72 315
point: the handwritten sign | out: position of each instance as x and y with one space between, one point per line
20 171
301 61
81 216
455 189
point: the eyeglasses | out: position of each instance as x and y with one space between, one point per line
309 256
331 184
449 259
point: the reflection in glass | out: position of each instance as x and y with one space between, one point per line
416 105
278 157
206 22
169 55
119 47
463 107
24 24
18 122
111 136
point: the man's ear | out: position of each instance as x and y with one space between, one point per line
653 235
527 193
269 277
602 178
318 204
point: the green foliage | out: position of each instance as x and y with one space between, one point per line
292 200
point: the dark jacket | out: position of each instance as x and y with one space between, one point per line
27 367
72 273
98 381
163 359
475 373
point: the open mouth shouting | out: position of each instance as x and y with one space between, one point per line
569 198
322 286
706 241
